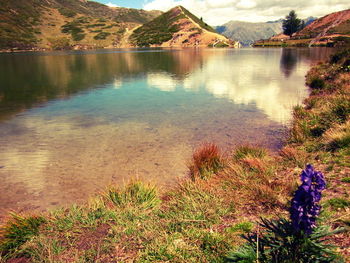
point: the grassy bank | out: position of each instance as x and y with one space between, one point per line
202 217
339 41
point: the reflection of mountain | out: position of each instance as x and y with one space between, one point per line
30 79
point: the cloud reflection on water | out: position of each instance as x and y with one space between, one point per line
244 81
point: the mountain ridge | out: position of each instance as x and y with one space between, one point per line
178 27
82 24
27 24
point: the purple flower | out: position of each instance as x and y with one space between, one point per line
305 204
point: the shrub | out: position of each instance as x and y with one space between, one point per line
317 83
67 12
101 35
74 29
221 45
96 25
81 20
71 27
78 36
339 56
59 43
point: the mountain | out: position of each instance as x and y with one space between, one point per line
27 24
330 30
247 33
177 28
309 20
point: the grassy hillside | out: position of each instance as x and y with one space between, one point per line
159 30
335 23
18 19
38 23
177 27
202 218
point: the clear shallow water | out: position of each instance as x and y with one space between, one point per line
72 123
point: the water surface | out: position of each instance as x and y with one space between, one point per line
72 123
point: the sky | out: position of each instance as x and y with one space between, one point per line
218 12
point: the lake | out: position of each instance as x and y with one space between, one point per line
73 123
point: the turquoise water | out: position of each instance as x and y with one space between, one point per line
72 123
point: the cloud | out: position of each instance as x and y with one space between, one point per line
111 5
218 12
246 4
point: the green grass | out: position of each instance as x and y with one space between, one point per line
322 123
337 203
17 231
157 31
135 194
243 227
346 180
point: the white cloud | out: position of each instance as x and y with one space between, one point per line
111 5
246 4
162 5
218 12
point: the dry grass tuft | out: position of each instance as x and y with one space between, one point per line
244 151
206 160
251 180
338 137
294 156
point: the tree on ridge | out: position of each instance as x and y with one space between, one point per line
291 23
